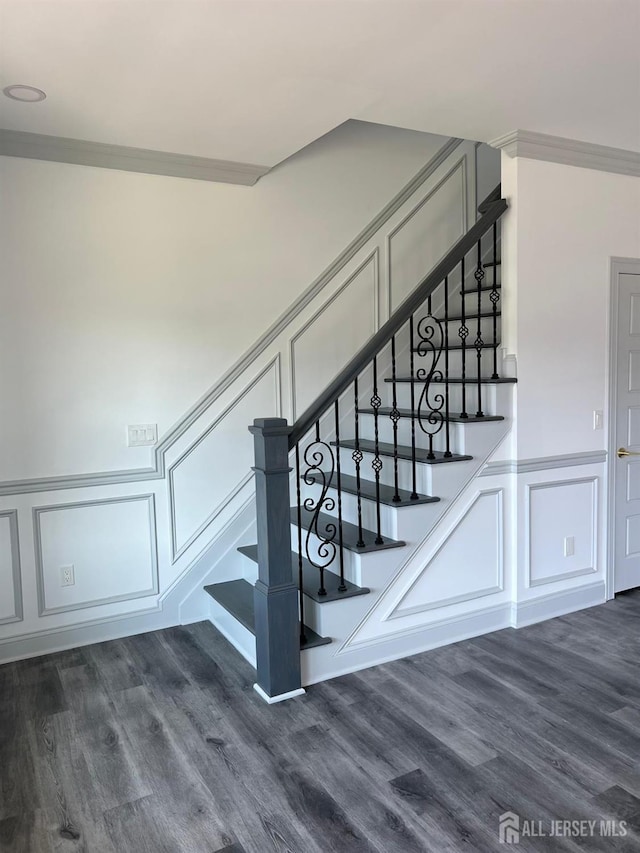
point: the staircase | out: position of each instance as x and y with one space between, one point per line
375 463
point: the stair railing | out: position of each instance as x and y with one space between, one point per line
422 330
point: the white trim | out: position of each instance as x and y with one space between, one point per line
571 152
552 484
543 463
271 700
556 604
37 511
81 152
618 266
16 570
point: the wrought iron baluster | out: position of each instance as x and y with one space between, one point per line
341 586
376 402
431 343
414 493
315 457
300 573
478 343
463 333
447 451
395 417
357 457
494 296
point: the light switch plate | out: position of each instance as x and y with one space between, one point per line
142 435
569 546
598 419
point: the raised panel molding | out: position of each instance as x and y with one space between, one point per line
364 302
98 529
459 171
10 563
413 591
181 492
565 512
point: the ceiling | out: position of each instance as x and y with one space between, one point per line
255 80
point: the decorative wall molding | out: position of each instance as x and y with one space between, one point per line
178 550
571 152
157 472
372 258
80 152
18 610
543 463
459 166
154 589
592 568
398 611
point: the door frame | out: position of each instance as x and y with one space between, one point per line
618 267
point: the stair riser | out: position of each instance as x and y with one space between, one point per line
471 302
356 565
489 400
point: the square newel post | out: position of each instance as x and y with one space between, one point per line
275 594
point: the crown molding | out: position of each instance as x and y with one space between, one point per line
571 152
60 149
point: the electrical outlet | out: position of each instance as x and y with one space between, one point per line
569 546
598 419
142 435
67 576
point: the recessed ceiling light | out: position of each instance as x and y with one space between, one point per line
29 94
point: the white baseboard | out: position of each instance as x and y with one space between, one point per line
71 637
317 666
557 604
272 700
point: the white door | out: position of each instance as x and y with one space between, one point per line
626 568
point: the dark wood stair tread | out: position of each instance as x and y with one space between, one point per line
237 598
368 491
458 380
350 532
310 578
456 419
457 317
486 288
458 347
386 449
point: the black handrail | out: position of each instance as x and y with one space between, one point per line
491 209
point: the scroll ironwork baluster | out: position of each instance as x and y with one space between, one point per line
395 417
315 457
414 493
300 572
479 343
357 457
494 296
376 402
447 451
463 332
431 345
341 586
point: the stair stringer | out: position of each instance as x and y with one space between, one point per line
387 624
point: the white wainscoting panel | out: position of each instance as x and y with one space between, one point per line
334 334
10 577
468 565
111 545
207 476
465 564
426 233
555 511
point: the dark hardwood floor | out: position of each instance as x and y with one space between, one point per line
158 744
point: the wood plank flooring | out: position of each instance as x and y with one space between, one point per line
158 744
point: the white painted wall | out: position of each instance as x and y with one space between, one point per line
126 296
563 226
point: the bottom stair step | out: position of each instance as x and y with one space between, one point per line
311 578
237 598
